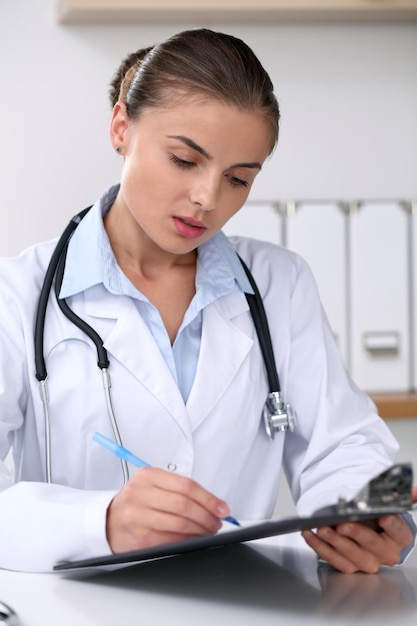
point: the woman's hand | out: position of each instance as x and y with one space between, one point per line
355 547
157 507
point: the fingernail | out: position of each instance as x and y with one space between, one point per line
386 522
223 510
324 533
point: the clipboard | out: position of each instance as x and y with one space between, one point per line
387 493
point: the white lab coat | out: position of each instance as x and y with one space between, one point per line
217 438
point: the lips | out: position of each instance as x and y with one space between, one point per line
191 222
188 227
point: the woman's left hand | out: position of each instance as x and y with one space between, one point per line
355 547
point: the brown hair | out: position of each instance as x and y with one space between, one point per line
197 62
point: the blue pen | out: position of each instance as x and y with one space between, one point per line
124 454
119 451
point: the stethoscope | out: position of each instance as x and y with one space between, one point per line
8 617
277 415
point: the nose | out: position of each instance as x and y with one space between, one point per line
205 192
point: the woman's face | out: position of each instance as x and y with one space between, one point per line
187 170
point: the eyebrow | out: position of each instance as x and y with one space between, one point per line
194 146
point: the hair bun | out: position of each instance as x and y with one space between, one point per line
124 75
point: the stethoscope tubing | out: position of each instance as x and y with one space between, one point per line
40 367
262 329
102 357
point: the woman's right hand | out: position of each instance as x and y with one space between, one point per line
156 507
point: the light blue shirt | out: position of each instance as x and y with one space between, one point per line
90 261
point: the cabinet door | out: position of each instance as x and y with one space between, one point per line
318 232
412 231
380 297
257 220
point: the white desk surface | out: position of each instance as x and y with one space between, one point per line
246 584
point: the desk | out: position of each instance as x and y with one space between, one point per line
262 582
396 405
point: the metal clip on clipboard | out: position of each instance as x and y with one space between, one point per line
389 492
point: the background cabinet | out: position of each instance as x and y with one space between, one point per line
317 231
380 286
362 257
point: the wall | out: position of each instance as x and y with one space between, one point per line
348 96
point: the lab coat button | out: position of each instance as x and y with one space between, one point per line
171 467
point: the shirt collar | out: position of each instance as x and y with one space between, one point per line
90 259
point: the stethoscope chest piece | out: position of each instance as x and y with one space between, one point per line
278 416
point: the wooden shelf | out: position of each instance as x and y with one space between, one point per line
261 11
396 406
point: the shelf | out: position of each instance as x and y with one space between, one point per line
261 11
396 406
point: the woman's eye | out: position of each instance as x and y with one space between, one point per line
238 182
181 162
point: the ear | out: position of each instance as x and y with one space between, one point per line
118 125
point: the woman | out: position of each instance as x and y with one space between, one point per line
194 119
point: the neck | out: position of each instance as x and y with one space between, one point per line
136 252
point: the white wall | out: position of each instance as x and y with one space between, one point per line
348 95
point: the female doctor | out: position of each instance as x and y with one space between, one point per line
194 119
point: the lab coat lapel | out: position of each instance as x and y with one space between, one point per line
132 344
224 346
